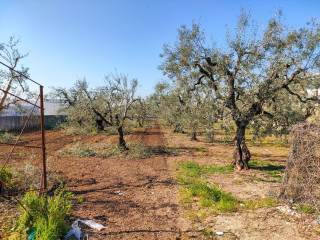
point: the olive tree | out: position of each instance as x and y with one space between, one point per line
251 72
117 98
102 107
79 113
198 113
167 106
141 112
11 81
183 111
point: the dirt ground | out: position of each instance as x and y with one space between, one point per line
139 198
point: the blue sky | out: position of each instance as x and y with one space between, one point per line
70 39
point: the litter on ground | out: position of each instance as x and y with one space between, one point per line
76 232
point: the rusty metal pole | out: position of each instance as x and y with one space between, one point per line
43 143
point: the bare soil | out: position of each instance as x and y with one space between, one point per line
139 198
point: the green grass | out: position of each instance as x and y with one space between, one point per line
305 208
259 203
196 170
194 188
207 232
209 196
201 149
190 169
80 199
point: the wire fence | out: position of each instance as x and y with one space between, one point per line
23 147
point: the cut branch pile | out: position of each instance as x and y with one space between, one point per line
302 175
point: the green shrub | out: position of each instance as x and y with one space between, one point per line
6 137
46 216
5 177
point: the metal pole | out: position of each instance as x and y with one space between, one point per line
43 143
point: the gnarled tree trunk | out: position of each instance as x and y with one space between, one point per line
241 153
122 143
193 136
99 124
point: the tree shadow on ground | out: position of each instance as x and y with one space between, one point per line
268 167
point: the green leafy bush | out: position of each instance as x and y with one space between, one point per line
5 177
46 216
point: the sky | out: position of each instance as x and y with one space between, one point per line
70 39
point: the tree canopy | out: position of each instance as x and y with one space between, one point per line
254 72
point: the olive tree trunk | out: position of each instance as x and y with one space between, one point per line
241 153
99 124
122 143
193 136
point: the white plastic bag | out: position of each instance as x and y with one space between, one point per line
93 224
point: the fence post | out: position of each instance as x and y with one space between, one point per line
43 143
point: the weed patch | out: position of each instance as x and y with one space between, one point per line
206 195
259 203
5 178
305 208
196 170
6 137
